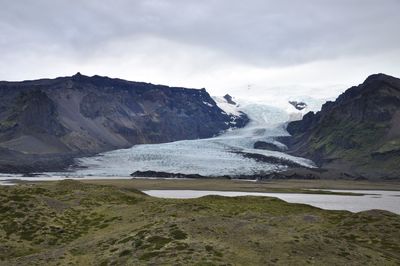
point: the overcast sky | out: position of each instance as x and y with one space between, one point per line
258 49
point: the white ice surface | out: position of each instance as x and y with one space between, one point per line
210 157
228 108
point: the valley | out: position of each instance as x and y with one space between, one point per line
217 156
199 133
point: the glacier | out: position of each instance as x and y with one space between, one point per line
215 156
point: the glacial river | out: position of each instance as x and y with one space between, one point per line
373 199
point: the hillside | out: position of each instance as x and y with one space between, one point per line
358 133
42 122
73 223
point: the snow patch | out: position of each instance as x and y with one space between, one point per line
313 105
228 108
208 104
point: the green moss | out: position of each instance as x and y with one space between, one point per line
126 239
209 248
392 145
347 138
125 253
104 263
205 263
180 246
158 241
7 124
150 255
243 230
138 243
178 234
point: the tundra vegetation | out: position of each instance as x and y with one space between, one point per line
81 223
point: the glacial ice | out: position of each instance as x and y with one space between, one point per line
209 157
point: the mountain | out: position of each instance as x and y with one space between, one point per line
47 120
358 133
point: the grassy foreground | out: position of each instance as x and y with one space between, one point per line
75 223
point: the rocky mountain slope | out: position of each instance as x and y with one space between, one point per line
358 133
70 116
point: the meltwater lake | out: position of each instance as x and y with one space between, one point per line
388 200
372 199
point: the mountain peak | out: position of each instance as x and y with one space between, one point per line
229 99
78 75
358 132
379 77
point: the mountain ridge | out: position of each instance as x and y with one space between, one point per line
359 132
87 115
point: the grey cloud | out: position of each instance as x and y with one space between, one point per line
256 32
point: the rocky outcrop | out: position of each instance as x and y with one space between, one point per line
358 133
86 115
262 145
298 105
294 173
158 174
229 99
271 159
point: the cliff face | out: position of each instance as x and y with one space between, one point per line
85 115
359 132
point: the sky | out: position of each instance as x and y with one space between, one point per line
255 49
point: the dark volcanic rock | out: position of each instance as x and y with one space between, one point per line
16 162
86 115
311 174
270 159
295 173
262 145
298 105
168 175
229 100
359 132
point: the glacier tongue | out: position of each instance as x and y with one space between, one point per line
209 157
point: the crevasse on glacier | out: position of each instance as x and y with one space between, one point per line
209 157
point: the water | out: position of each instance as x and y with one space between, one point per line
209 157
6 183
375 199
